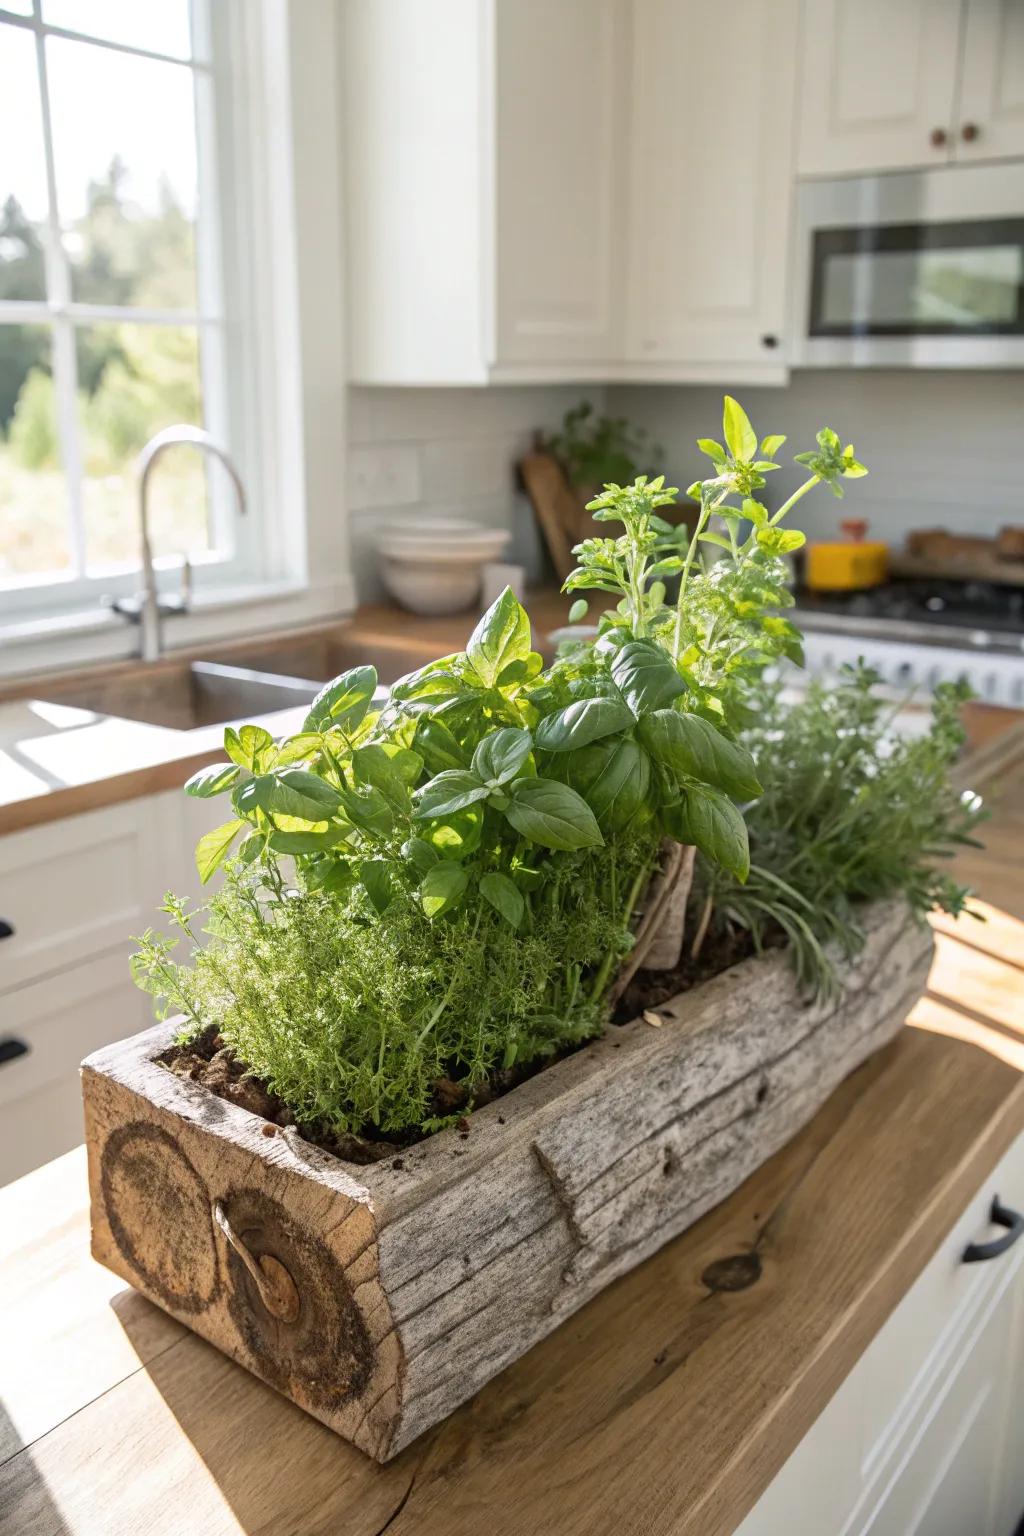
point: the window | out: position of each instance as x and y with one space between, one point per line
111 280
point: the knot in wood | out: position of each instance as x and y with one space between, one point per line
734 1273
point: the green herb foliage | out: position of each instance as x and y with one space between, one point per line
442 878
849 813
594 450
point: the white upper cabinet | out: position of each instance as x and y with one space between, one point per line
567 189
481 143
879 84
710 172
990 122
918 83
560 118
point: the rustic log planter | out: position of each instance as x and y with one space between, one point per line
380 1298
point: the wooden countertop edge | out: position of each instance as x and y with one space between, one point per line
74 799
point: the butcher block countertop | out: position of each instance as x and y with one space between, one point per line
663 1408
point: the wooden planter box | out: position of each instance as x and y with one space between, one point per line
380 1298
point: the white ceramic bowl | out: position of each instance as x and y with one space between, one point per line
435 565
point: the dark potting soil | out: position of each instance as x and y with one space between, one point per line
206 1059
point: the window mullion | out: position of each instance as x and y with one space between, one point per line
65 360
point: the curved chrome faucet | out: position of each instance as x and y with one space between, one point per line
147 609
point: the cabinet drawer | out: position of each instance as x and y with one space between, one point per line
914 1350
75 888
65 1017
946 1477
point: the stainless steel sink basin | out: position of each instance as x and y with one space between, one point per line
190 694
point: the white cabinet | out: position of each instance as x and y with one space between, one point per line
480 141
76 893
991 117
926 1435
709 178
567 189
899 86
559 125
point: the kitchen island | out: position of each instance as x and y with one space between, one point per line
667 1405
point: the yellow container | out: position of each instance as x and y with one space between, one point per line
846 567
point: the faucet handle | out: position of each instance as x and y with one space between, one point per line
186 589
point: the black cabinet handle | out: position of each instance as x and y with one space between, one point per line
1001 1216
769 341
6 929
12 1048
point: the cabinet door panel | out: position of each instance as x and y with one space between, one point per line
61 1020
76 887
710 176
992 95
559 110
878 80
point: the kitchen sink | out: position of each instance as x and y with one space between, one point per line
186 695
233 680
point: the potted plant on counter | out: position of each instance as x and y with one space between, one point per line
392 1135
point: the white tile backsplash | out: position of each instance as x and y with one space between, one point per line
383 475
447 452
942 449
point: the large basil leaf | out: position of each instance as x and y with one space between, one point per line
708 819
297 749
690 745
213 780
501 637
372 765
441 887
376 877
367 809
296 792
501 754
212 848
614 777
645 676
458 835
344 701
419 854
437 746
583 721
316 838
503 897
552 814
251 747
449 791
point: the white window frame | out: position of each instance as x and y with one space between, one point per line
238 278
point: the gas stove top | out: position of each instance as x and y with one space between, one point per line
976 606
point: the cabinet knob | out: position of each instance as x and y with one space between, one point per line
6 929
770 341
938 137
11 1049
969 132
1000 1216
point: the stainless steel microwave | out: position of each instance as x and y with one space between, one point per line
919 270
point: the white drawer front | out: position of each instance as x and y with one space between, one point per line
915 1434
916 1348
75 888
62 1019
945 1479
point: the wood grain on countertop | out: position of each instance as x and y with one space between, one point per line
663 1408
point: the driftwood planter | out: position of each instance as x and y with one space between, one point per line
381 1298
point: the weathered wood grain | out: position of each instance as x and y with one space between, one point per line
381 1298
